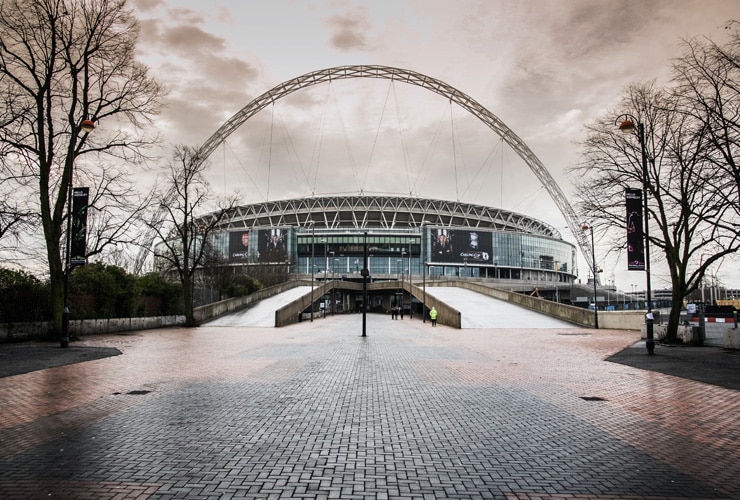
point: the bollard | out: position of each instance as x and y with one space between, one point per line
64 340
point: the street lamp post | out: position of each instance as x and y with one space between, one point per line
86 126
312 263
587 227
424 293
365 273
409 269
326 264
399 281
333 287
423 259
627 125
326 259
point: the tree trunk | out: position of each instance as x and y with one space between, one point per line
56 280
57 306
187 292
674 317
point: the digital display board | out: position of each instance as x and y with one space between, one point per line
239 246
461 246
273 245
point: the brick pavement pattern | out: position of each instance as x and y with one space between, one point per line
316 411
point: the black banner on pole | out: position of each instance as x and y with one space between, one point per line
635 234
78 248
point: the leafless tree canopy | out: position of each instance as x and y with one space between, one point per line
62 62
708 90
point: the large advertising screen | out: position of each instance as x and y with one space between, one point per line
273 245
461 246
239 246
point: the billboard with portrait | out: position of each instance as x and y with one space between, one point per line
239 246
461 246
273 245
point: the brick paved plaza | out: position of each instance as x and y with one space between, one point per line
314 410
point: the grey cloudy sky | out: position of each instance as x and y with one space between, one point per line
545 68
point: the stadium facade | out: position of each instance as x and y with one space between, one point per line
326 236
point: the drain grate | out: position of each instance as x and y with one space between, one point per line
592 398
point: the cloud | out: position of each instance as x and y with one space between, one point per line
147 5
208 82
189 40
349 30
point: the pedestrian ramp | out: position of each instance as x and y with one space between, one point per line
480 311
261 313
476 310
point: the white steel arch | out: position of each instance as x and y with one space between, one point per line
411 77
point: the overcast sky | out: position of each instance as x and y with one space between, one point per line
545 68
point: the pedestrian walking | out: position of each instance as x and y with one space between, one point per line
433 316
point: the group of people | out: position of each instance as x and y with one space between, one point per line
397 311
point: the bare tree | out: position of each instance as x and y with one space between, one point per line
691 217
707 80
63 62
184 235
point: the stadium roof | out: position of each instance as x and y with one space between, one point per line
382 212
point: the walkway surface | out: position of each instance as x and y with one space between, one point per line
314 410
476 310
263 312
480 311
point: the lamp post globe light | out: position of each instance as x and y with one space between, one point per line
587 227
86 126
626 123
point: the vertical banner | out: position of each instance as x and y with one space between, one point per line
635 234
78 247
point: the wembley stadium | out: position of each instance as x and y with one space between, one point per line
404 236
414 237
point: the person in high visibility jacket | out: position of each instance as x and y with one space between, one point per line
433 316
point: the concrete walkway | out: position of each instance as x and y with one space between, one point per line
314 410
477 310
263 312
480 311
